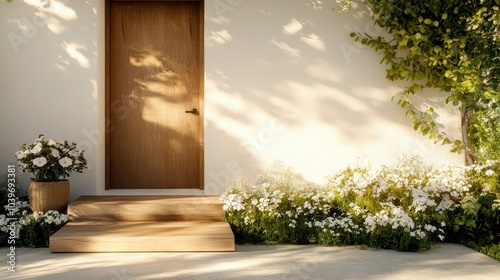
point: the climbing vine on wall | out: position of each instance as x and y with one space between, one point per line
453 46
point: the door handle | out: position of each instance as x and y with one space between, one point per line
192 111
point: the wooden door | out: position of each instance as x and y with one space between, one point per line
154 137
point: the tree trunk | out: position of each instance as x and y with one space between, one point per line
465 115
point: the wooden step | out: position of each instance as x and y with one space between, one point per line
142 237
146 208
144 224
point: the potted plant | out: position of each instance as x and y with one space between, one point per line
50 162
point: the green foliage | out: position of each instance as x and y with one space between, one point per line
259 212
4 191
32 229
405 207
36 228
478 219
450 45
491 250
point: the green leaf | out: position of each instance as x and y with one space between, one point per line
403 41
353 34
470 224
457 56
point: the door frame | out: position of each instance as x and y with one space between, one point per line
107 105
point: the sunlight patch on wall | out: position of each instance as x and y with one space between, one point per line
75 51
94 88
52 12
324 145
292 27
220 37
316 5
322 69
224 105
287 49
54 7
346 99
314 41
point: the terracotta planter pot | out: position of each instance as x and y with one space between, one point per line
45 196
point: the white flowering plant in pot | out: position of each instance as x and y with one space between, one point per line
49 160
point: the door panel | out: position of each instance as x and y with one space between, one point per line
154 78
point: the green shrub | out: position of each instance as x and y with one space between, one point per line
491 250
32 229
477 222
4 192
262 212
406 207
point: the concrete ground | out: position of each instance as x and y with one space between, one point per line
446 261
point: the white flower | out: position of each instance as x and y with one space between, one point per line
49 220
20 154
41 161
489 172
37 148
64 217
55 153
74 153
51 142
65 162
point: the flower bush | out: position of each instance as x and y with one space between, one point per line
477 222
407 206
32 229
50 160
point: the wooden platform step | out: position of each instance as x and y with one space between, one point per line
144 224
142 237
146 208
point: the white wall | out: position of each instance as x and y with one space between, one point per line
51 78
283 82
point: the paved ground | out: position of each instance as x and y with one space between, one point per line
447 261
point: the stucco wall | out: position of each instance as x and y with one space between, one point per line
52 79
283 81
